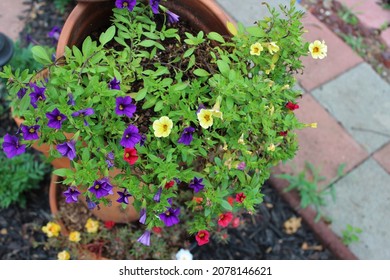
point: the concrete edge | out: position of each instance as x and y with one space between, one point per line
327 237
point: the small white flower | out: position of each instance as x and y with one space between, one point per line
183 255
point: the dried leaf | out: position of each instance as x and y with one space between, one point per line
292 225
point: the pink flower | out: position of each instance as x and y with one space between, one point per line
130 155
202 237
240 197
236 222
292 106
225 219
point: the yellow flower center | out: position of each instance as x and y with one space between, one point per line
201 235
59 118
207 117
165 127
32 130
120 107
316 49
97 187
167 213
127 155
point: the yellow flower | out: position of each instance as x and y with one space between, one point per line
162 127
74 236
241 139
312 125
271 148
216 109
272 47
51 229
92 225
256 49
272 67
318 49
64 255
286 87
205 118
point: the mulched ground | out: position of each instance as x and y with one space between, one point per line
260 236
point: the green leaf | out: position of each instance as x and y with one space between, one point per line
63 172
141 94
201 73
223 67
39 53
216 37
107 36
226 205
159 106
255 31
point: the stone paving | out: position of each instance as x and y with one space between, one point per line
351 105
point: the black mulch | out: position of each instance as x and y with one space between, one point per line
261 236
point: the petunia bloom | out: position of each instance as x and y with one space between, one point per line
74 236
241 165
205 118
71 194
196 184
162 127
142 216
51 229
145 238
170 217
67 149
21 93
186 136
30 132
92 225
55 119
318 49
101 188
110 157
172 17
54 33
154 5
169 185
83 113
71 101
130 137
157 196
114 84
130 155
292 106
63 255
273 47
256 49
225 219
90 204
12 146
129 4
37 94
183 254
123 196
124 106
109 224
202 237
240 197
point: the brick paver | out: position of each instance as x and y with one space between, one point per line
382 156
10 11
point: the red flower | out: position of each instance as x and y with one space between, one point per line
157 230
202 237
197 199
240 197
225 219
109 224
230 200
130 155
292 106
169 184
236 222
283 133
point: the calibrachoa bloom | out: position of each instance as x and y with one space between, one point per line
109 224
186 136
256 49
123 196
205 118
236 222
55 119
196 184
162 127
230 200
83 113
74 236
38 94
170 217
30 132
169 185
318 49
273 47
157 230
67 149
90 204
145 238
183 254
124 106
240 197
71 194
12 146
130 137
101 188
70 100
54 33
21 93
271 147
154 5
157 196
172 17
51 229
241 165
63 255
92 226
129 4
202 237
114 84
292 106
225 219
130 155
110 159
142 216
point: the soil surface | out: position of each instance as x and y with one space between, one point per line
261 235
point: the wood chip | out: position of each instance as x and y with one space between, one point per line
292 225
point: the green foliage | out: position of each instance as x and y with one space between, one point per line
356 43
19 175
347 15
307 184
170 76
350 235
62 4
23 58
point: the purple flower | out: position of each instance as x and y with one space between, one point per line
54 33
71 100
21 93
124 106
124 197
67 149
157 196
101 188
91 205
154 5
130 137
143 139
71 194
170 201
12 146
83 113
201 106
142 216
145 238
37 94
241 166
30 132
110 159
186 136
196 184
114 84
170 217
172 17
55 119
129 4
